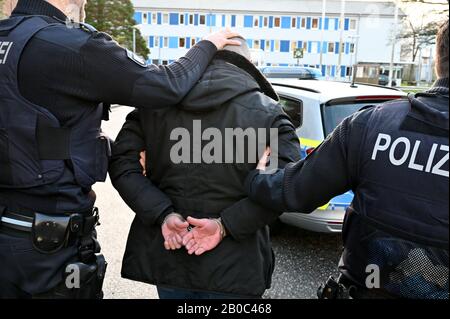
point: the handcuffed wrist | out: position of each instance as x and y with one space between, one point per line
223 232
170 215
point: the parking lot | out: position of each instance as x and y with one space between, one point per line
304 259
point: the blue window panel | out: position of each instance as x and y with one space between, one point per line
196 19
336 24
333 70
138 17
347 48
327 23
269 64
159 18
248 21
299 22
317 66
261 21
284 64
324 47
173 18
320 23
161 42
336 47
188 43
233 21
318 46
324 70
299 44
250 43
308 23
343 69
270 22
263 44
223 20
173 42
285 22
151 42
186 19
309 46
284 45
211 20
272 45
346 24
171 61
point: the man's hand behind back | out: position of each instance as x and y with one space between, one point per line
205 236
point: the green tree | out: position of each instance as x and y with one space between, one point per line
115 17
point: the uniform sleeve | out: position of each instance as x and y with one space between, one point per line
111 76
246 217
328 171
149 203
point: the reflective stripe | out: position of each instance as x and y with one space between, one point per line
16 222
309 143
313 143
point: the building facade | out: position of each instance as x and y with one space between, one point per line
357 31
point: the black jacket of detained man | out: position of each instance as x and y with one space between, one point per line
227 96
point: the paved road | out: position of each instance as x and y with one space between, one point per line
304 259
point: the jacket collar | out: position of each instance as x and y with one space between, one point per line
38 7
440 87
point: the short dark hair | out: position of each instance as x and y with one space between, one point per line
442 51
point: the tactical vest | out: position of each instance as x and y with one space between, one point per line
396 232
34 148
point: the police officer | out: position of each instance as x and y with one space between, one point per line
57 79
394 157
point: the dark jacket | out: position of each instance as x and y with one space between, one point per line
69 71
227 96
398 219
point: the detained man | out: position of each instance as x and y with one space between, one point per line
197 158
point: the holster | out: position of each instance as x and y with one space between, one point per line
91 279
333 289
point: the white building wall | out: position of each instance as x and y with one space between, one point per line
373 22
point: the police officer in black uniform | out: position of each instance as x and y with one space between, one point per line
57 79
394 157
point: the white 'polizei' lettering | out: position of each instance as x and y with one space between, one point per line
400 151
5 47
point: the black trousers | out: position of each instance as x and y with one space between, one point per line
26 273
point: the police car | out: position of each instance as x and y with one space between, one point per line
316 108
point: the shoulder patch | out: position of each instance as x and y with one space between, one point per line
136 58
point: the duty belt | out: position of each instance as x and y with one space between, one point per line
24 223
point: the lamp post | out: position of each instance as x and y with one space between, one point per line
353 40
134 39
394 38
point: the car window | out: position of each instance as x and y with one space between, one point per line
293 108
333 115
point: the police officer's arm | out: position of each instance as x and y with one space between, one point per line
328 171
246 217
110 75
126 172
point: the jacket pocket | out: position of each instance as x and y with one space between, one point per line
103 154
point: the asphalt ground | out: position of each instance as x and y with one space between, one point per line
304 260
